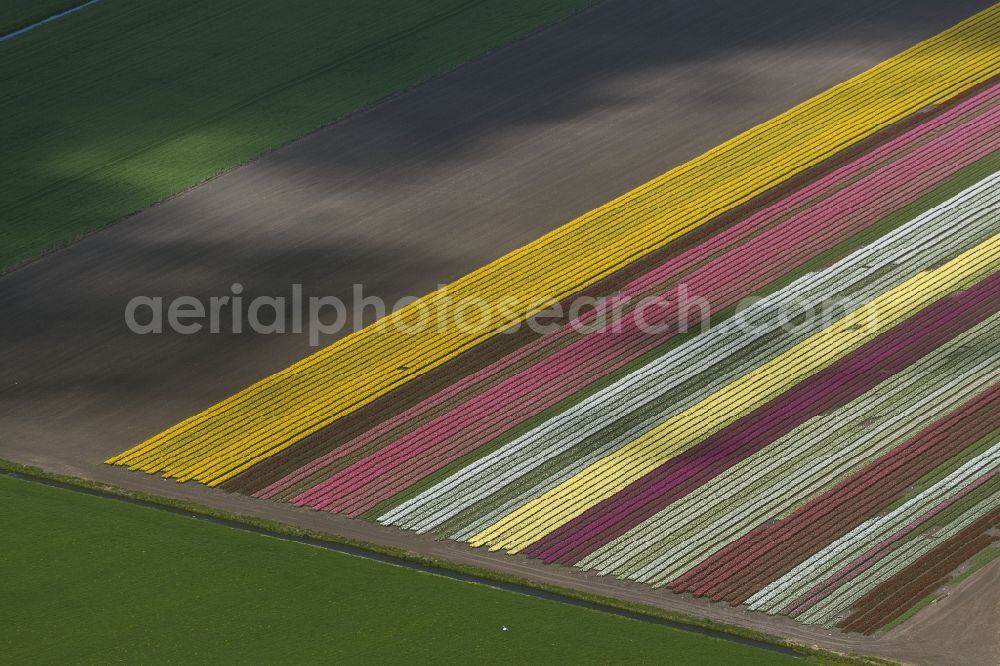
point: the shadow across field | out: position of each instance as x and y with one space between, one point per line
721 58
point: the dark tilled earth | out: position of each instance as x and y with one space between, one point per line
417 192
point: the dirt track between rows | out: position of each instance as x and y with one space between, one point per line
417 192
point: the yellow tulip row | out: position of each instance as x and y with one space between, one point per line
282 409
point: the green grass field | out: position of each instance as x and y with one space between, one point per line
93 580
123 104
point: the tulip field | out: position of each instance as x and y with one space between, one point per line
786 396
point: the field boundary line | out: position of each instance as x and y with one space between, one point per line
48 19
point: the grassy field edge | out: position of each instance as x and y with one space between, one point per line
403 557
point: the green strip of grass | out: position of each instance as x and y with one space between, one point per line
17 14
90 580
980 560
816 655
122 105
945 468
